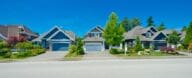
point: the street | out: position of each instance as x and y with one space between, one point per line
132 68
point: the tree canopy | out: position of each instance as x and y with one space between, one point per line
188 36
173 38
161 27
129 24
150 22
113 32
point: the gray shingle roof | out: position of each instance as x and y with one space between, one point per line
138 31
69 33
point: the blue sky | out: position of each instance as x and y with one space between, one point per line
81 15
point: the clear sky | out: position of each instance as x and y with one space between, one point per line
81 15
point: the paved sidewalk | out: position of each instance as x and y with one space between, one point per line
48 56
185 53
99 56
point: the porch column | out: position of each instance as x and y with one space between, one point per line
121 46
125 46
103 46
50 46
142 43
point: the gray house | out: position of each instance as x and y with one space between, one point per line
56 39
150 37
93 40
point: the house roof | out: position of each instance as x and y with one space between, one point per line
138 31
134 33
7 30
87 38
3 37
69 34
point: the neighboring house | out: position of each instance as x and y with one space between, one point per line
93 40
56 39
150 37
16 30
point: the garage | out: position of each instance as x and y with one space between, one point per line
60 46
93 46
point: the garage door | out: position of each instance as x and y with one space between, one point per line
93 46
60 46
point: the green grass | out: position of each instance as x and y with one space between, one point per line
72 57
152 55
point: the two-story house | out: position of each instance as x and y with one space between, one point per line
93 41
7 31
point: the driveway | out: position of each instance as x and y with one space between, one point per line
99 56
135 68
48 56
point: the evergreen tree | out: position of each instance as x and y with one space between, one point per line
188 36
161 27
135 22
150 22
126 24
173 38
184 28
138 46
113 33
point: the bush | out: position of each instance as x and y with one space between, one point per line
72 50
115 51
168 50
5 52
181 47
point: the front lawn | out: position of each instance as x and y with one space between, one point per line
151 55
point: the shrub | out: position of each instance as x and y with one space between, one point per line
181 47
168 50
72 50
115 51
5 52
23 46
79 45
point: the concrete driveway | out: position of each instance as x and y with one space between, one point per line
99 56
135 68
48 56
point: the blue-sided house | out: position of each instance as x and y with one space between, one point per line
56 39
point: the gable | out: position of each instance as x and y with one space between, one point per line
161 36
95 30
50 33
59 35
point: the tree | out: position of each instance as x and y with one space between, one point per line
129 24
138 46
134 22
184 28
126 25
113 32
190 46
188 36
161 27
79 44
119 34
150 22
173 38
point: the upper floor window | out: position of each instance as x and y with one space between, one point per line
94 34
